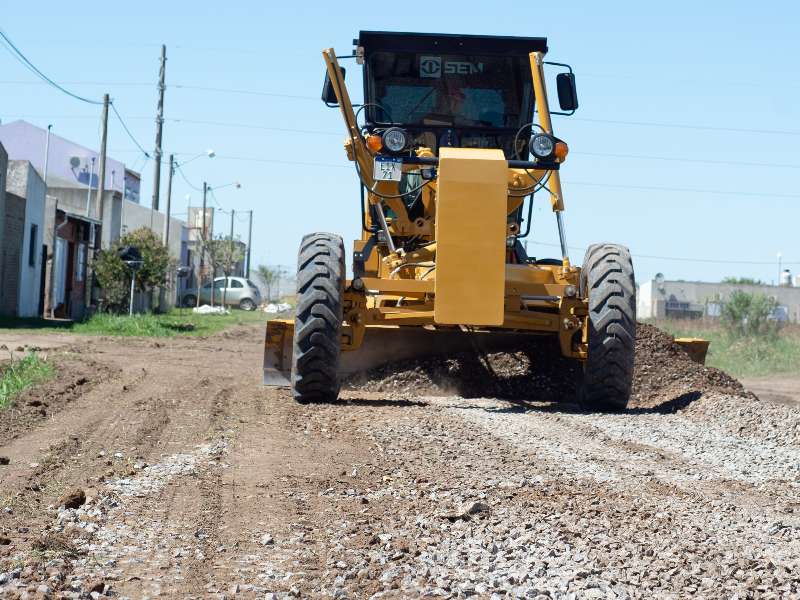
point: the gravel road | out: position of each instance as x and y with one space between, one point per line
163 469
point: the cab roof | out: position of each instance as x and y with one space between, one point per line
397 41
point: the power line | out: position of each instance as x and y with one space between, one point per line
128 131
185 179
603 121
214 198
97 83
579 183
31 67
52 83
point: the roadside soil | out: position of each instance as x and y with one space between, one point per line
778 388
184 478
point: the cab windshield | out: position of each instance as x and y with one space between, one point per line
449 90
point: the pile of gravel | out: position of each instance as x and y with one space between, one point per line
664 374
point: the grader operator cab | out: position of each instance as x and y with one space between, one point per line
451 145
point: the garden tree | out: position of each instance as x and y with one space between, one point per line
224 254
114 276
268 276
747 314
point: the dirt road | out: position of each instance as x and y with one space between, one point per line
781 389
200 483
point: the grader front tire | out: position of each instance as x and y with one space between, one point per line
608 279
317 331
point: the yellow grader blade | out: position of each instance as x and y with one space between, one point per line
696 348
384 345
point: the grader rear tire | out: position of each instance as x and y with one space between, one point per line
609 281
317 329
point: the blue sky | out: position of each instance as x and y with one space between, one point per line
678 100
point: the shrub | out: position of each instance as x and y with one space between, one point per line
114 276
748 314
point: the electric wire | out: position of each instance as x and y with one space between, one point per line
331 133
128 131
36 71
304 97
186 179
31 67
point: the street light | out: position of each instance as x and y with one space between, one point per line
209 153
232 183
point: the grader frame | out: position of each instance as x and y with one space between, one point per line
454 276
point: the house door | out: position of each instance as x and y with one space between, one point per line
62 249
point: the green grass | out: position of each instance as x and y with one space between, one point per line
21 374
171 324
743 356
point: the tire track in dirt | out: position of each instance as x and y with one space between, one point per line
122 423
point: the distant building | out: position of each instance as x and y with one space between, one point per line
194 224
84 222
662 299
238 268
133 185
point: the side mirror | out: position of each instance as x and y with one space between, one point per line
328 93
567 94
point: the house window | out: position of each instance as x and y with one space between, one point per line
33 244
81 258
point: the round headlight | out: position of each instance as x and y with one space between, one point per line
395 139
542 145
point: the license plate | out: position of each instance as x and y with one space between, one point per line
388 168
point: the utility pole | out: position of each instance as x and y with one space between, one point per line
230 264
205 195
203 249
101 187
162 296
51 297
159 127
249 241
233 212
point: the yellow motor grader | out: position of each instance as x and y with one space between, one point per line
451 144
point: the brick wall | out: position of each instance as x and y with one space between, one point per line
13 234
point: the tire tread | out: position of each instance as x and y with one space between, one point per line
608 279
318 321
